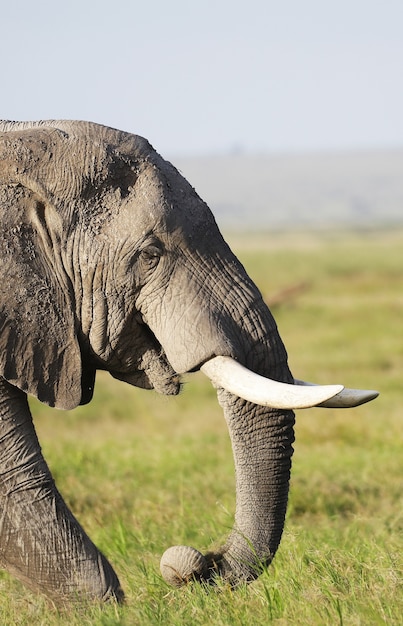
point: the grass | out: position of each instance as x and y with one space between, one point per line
143 472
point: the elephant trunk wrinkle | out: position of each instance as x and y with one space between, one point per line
262 446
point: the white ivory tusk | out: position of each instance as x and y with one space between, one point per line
237 379
347 398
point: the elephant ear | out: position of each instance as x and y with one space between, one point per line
39 350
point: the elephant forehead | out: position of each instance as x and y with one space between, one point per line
162 202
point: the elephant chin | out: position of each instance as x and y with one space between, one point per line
153 372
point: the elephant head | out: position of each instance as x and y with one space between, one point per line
110 260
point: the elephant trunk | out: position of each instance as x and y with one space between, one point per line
262 439
261 436
262 446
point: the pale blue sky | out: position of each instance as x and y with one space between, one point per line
211 76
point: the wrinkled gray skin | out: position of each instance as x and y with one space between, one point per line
110 260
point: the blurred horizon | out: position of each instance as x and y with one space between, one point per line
359 189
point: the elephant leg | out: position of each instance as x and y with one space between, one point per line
41 542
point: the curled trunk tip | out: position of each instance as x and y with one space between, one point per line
181 564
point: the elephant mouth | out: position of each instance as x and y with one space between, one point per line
146 367
153 372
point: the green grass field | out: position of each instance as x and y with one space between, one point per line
143 472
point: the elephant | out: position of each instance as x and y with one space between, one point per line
111 261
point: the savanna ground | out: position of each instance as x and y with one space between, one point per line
143 472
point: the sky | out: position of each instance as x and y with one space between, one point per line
212 76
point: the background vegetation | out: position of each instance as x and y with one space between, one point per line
143 472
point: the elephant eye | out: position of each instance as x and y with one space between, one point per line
149 257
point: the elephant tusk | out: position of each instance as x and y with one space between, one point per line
346 398
225 372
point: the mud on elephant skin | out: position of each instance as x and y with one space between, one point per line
110 260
